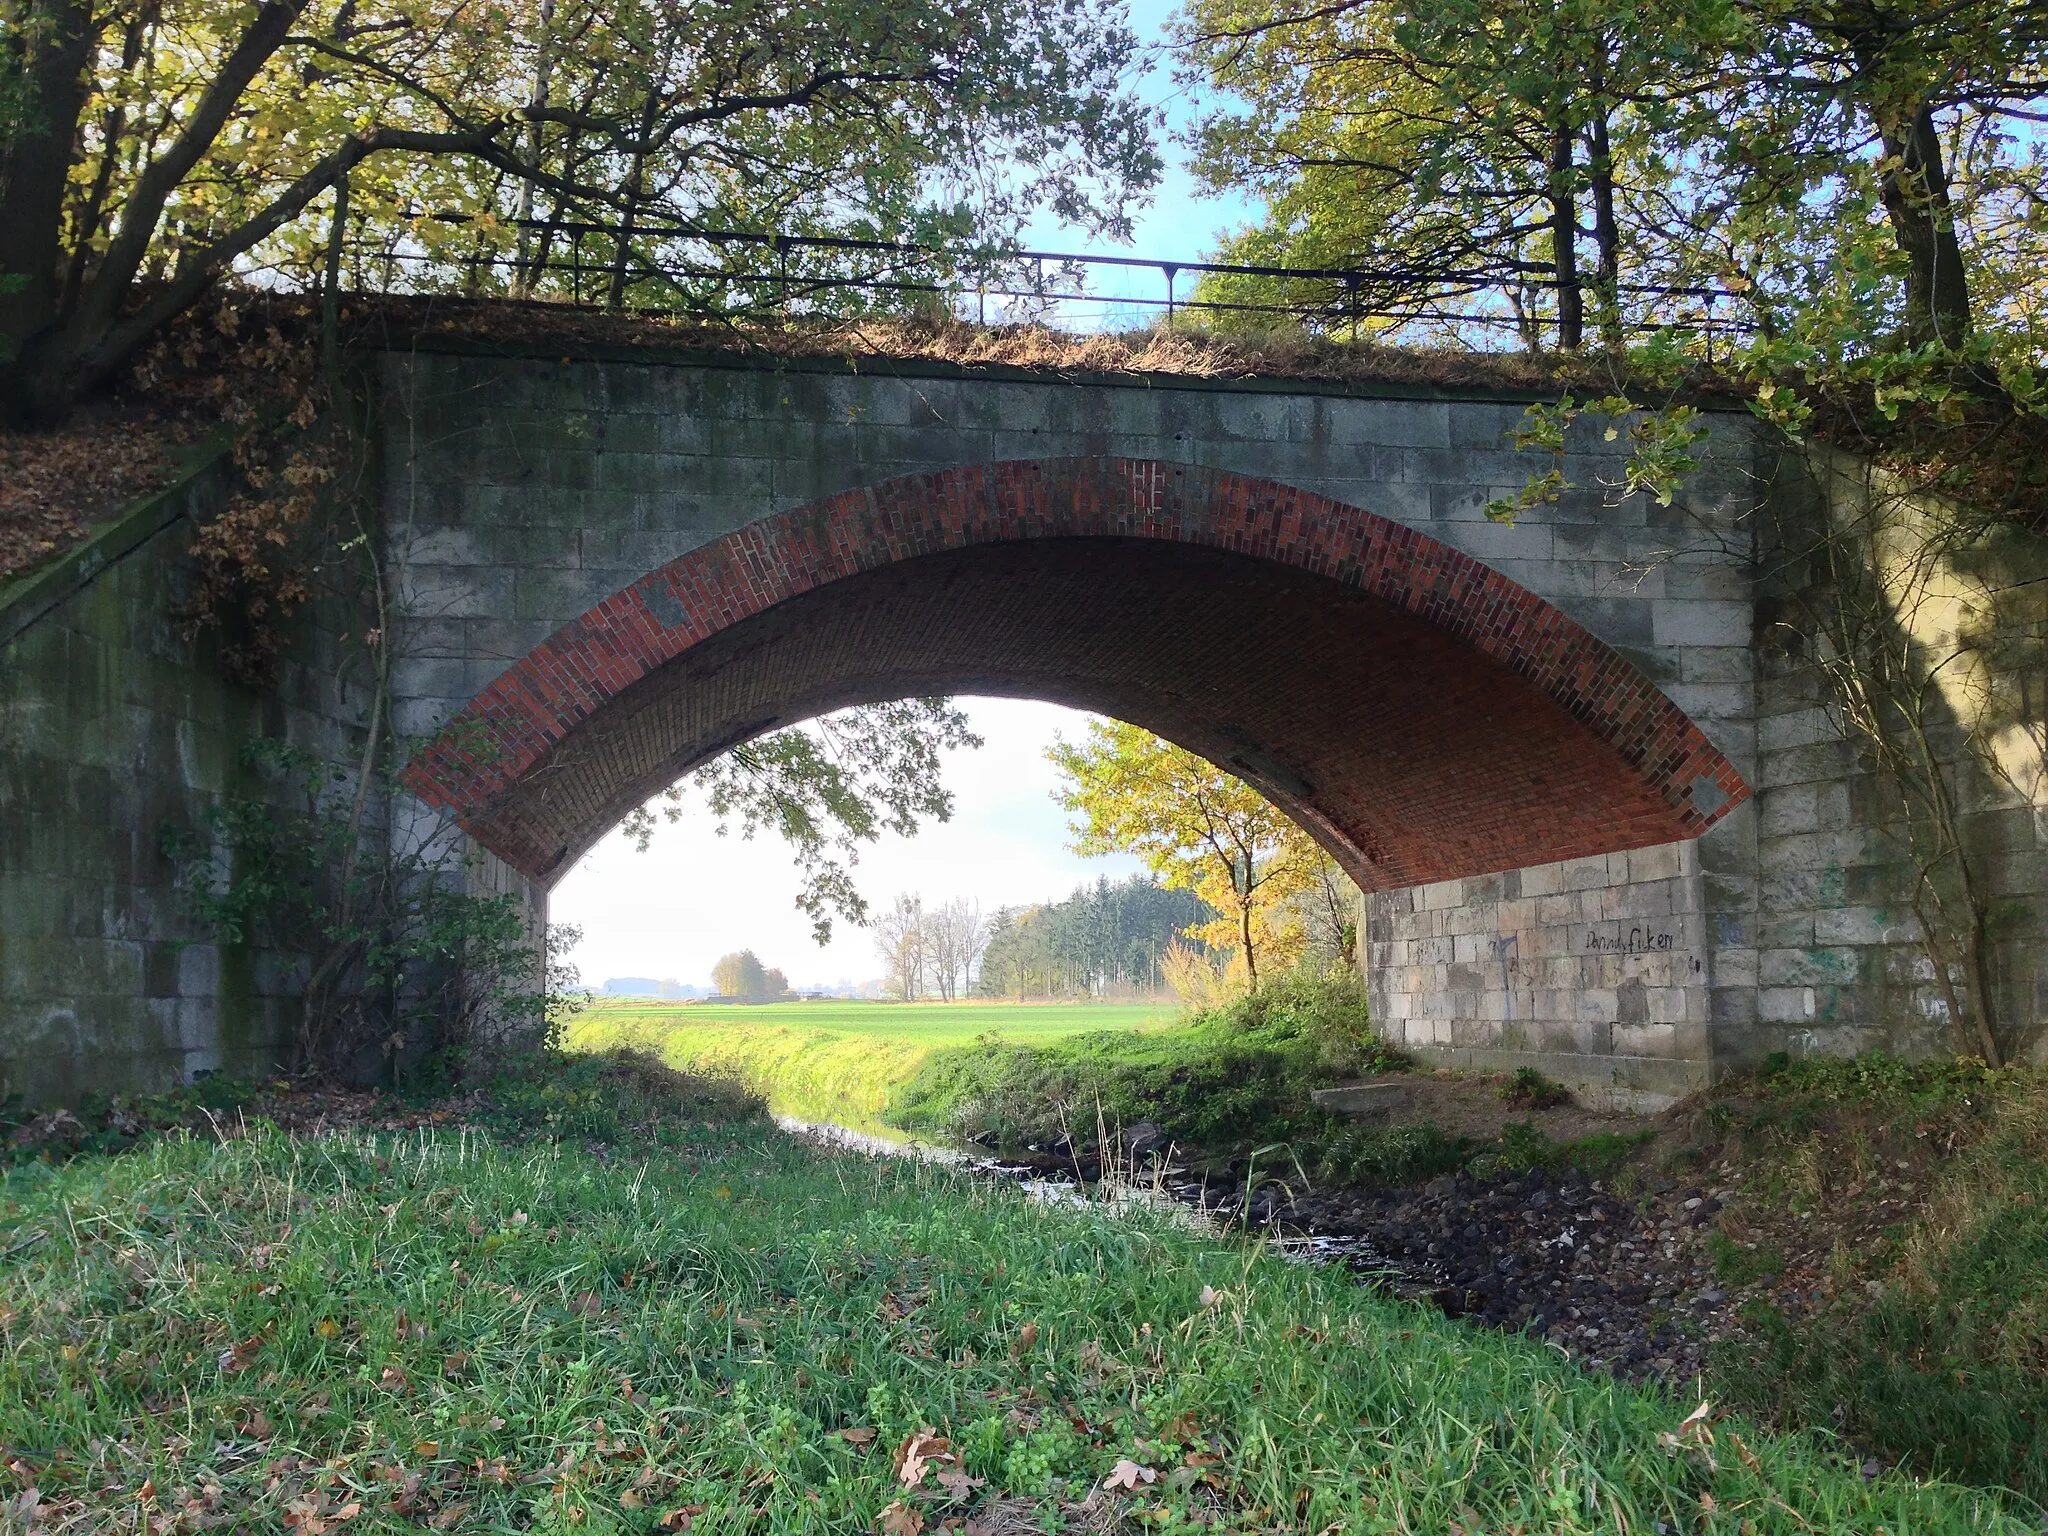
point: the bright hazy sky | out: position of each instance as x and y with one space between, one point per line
672 911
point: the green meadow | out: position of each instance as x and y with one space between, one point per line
838 1061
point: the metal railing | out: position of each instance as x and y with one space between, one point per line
597 265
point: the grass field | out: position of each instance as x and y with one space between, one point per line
732 1333
837 1061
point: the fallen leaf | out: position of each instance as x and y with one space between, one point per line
900 1520
239 1357
679 1519
1128 1474
860 1436
920 1453
1027 1338
957 1484
426 1450
393 1379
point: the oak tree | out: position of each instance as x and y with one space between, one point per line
150 147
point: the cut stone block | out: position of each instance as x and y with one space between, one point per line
1362 1101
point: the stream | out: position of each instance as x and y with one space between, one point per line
1617 1284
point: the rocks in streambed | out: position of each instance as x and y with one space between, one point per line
1613 1282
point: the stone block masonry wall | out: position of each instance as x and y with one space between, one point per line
111 725
1819 905
1593 971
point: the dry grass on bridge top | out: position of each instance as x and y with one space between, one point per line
1280 351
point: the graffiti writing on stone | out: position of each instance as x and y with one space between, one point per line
1637 941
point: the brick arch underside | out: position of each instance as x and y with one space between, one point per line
1423 716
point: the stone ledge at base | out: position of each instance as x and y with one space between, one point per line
1636 1085
1362 1101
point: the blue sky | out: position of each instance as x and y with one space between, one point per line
672 911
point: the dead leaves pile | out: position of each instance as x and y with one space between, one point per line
55 485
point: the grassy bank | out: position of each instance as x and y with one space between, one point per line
1924 1329
837 1061
391 1332
1243 1071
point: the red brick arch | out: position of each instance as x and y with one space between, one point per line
1422 714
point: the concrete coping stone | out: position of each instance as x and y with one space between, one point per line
35 595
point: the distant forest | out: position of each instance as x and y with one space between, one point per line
1104 939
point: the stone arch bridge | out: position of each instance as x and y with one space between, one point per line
1598 833
1513 738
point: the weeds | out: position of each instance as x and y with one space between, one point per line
1527 1088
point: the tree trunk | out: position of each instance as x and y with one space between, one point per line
1244 928
87 222
524 268
45 51
1606 236
1916 200
1564 237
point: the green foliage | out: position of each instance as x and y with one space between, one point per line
609 1097
439 1327
834 1060
394 949
1944 1366
1229 1076
1386 1156
1662 450
101 1123
1381 1156
1739 1266
207 139
1795 1093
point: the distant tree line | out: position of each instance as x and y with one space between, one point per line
744 977
1103 938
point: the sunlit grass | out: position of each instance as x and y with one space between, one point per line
438 1331
837 1061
